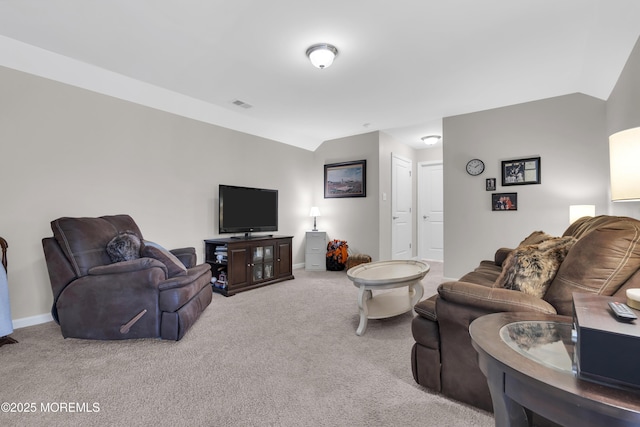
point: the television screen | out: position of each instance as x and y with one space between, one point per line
245 210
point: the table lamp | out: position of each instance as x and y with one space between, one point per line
315 212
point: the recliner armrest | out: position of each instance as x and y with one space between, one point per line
186 255
495 299
184 280
427 308
126 267
501 254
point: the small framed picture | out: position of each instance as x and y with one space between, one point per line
521 171
491 184
504 202
348 179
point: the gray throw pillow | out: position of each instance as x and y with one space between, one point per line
175 267
124 247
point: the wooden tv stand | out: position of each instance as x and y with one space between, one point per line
248 263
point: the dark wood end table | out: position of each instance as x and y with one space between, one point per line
527 359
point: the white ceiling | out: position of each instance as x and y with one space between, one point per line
402 65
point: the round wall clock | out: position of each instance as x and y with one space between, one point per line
475 167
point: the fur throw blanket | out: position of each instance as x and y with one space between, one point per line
531 268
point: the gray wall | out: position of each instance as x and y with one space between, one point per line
68 151
366 223
353 219
567 132
71 152
570 133
623 106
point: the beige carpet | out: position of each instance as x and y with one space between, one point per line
282 355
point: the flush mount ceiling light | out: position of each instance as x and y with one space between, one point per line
431 139
321 55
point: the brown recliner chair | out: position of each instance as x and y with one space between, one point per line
605 260
151 296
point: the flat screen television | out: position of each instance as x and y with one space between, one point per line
247 210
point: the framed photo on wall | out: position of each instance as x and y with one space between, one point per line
491 184
348 179
521 171
504 201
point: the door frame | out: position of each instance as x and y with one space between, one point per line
412 217
419 213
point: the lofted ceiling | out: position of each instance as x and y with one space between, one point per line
402 65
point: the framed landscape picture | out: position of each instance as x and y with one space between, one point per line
521 171
504 202
348 179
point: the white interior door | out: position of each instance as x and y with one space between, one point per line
430 211
401 202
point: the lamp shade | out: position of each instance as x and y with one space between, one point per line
624 153
578 211
314 211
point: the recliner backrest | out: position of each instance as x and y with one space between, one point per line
605 256
84 240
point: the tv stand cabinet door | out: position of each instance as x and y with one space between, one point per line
283 260
238 267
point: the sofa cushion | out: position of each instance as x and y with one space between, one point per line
124 247
600 262
535 238
531 268
472 296
587 224
174 266
485 274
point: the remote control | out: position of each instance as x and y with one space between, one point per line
622 311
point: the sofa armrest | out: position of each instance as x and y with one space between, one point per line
185 280
186 255
501 254
427 308
495 299
126 267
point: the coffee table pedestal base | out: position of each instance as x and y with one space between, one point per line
387 304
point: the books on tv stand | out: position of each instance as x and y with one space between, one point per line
248 263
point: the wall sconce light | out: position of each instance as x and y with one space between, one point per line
578 211
624 153
322 55
431 139
315 212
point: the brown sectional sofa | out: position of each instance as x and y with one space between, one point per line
605 260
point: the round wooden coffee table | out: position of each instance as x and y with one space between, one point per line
387 275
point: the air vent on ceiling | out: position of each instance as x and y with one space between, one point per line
241 104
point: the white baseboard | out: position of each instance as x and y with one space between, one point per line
32 320
298 266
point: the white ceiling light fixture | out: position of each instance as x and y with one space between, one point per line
431 139
322 55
